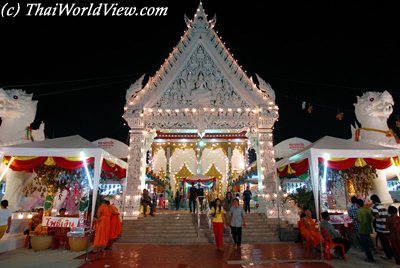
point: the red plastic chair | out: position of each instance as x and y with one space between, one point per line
329 244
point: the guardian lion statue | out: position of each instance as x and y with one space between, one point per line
17 112
372 110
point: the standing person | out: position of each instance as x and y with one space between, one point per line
161 203
200 195
335 236
217 212
153 202
246 199
228 203
212 195
380 214
115 224
365 217
5 218
393 226
192 198
103 227
236 222
178 198
353 209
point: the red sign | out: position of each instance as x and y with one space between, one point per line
60 222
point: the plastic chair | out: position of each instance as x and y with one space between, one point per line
329 244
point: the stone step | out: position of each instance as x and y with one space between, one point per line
165 240
165 230
138 235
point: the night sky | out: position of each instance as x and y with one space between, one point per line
322 53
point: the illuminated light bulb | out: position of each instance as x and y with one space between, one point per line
287 211
212 110
186 110
20 216
150 110
30 216
128 197
160 110
131 103
229 110
271 212
117 196
194 110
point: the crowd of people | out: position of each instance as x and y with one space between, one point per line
365 220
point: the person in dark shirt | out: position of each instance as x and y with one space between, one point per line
200 195
246 199
192 198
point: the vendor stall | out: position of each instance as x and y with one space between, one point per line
337 154
67 153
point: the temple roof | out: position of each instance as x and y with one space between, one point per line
200 72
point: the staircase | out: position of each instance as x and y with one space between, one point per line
180 228
177 228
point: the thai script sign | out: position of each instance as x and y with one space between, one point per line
60 222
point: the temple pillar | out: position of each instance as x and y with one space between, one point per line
136 169
170 183
228 174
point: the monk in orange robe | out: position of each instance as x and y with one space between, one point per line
115 224
103 227
308 229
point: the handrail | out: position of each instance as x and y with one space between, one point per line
198 216
206 209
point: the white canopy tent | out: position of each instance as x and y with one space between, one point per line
71 146
331 147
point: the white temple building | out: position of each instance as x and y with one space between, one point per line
197 116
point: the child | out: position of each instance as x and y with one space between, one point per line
161 202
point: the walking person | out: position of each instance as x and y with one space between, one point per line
178 198
380 214
115 224
353 209
228 203
237 221
192 198
200 195
246 199
103 227
5 218
364 216
217 212
393 225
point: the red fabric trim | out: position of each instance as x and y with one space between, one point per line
340 165
26 165
71 165
379 163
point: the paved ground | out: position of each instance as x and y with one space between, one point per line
147 256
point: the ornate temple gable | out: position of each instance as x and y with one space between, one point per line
201 84
200 72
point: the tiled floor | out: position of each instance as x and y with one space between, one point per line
265 255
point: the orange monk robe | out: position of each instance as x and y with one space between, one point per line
308 231
102 234
115 223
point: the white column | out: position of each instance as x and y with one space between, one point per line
136 169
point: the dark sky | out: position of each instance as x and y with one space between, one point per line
323 53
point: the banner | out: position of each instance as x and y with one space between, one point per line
65 222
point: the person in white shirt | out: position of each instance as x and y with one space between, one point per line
5 218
